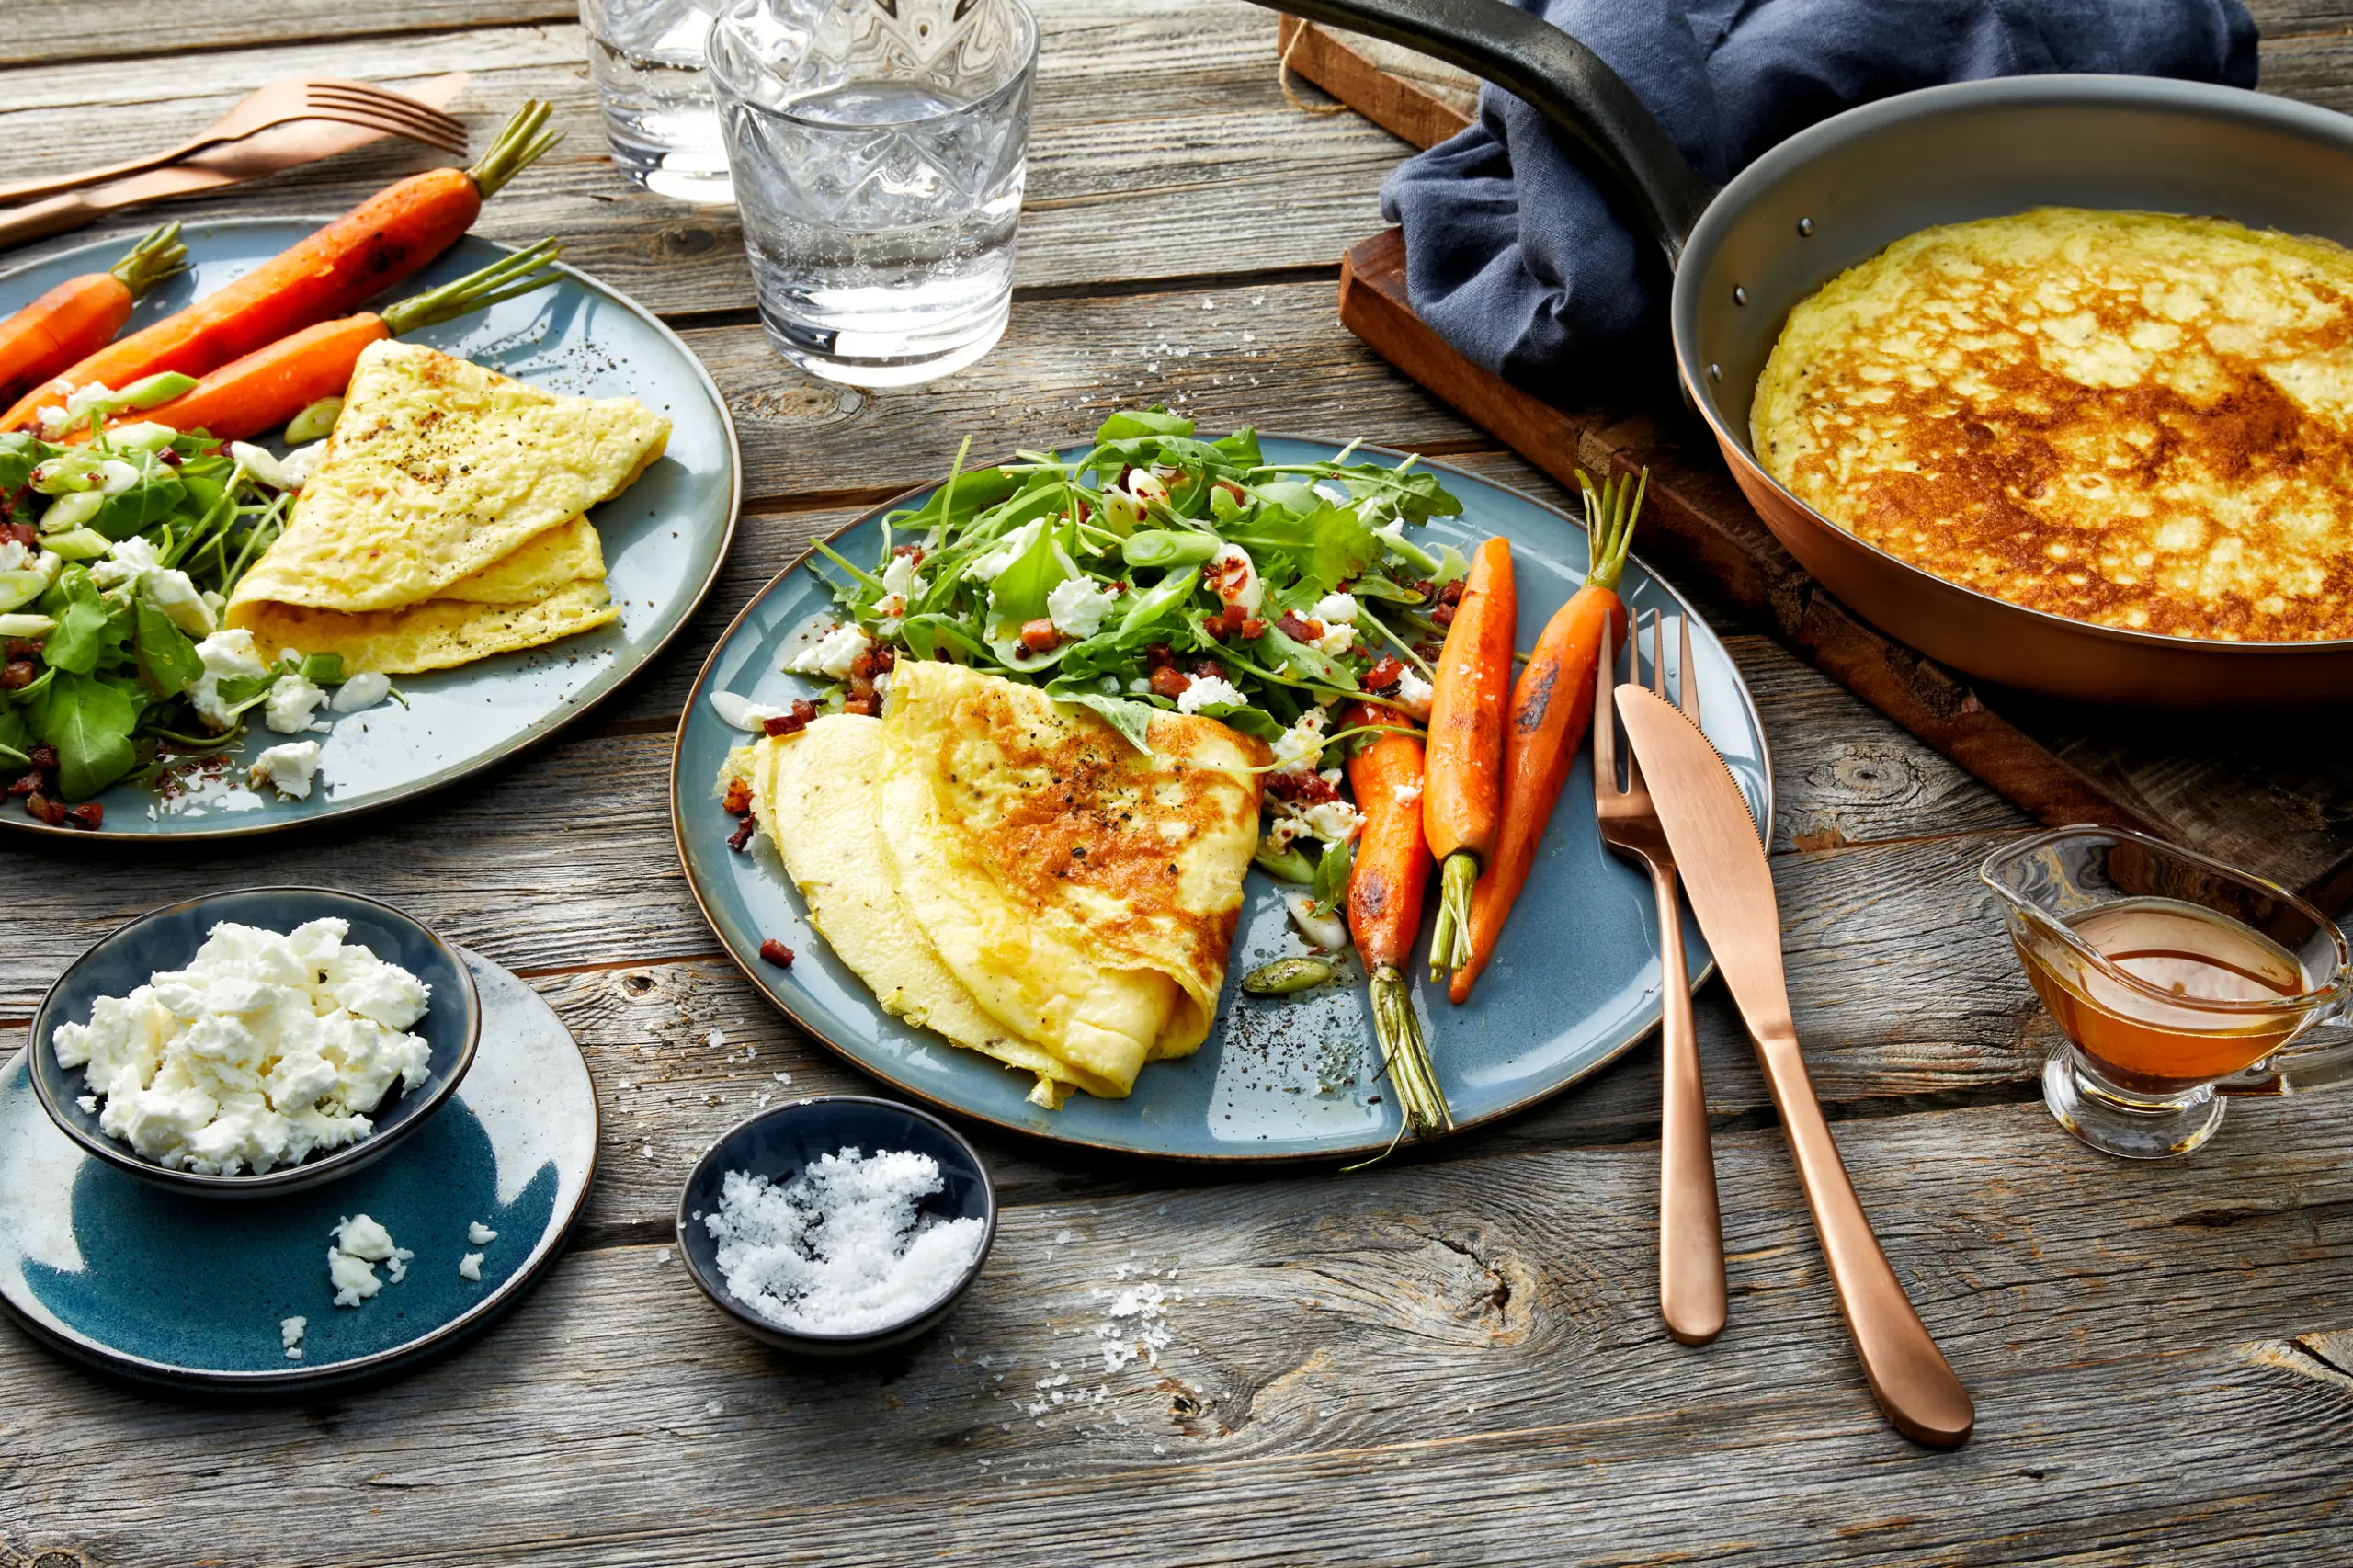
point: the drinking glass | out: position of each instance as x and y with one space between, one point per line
878 154
648 62
2175 981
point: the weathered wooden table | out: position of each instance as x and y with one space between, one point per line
1455 1359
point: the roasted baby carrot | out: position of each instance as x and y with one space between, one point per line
271 385
1391 872
331 273
1552 708
82 314
1462 803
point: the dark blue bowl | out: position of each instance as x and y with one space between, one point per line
778 1144
167 937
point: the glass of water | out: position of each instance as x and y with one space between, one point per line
647 57
878 154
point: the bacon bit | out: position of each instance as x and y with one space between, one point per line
1158 655
864 707
170 457
1298 631
44 758
1169 682
743 833
776 953
1119 587
914 552
886 658
1040 636
1084 511
22 648
1442 615
738 802
87 817
790 723
1227 622
1302 788
1384 675
1430 649
1253 627
41 806
1451 594
1427 589
26 784
1209 669
16 674
19 533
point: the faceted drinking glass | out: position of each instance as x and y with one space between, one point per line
878 152
647 57
2175 979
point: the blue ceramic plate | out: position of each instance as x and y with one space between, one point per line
1575 983
127 956
190 1291
665 538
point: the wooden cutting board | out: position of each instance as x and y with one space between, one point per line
2270 792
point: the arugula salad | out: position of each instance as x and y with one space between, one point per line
118 547
1162 571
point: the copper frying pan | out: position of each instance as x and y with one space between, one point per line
1838 193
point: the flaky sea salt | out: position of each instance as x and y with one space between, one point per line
842 1248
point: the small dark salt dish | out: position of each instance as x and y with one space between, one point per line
778 1143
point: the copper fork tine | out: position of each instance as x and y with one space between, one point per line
1687 679
357 103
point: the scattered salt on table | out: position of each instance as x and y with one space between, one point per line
842 1248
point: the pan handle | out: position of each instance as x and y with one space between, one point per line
1567 82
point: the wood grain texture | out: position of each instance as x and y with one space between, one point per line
1338 1350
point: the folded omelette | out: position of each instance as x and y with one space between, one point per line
1011 873
446 520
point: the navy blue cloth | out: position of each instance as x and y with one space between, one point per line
1519 258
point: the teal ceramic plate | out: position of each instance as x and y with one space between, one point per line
188 1292
664 539
1575 983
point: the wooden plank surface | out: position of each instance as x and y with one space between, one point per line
1452 1359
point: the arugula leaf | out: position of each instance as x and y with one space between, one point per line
1132 719
89 722
140 507
167 660
1020 591
1131 423
16 735
86 630
18 453
242 691
1332 873
321 669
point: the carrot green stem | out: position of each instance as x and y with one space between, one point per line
1609 514
518 145
153 259
1450 937
502 279
1406 1056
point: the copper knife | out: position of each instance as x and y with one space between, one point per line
1730 889
264 152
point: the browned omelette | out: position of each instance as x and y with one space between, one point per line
2126 418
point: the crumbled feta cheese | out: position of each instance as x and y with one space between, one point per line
1414 693
481 1235
80 400
16 556
363 691
470 1266
127 561
1299 748
353 1279
741 712
901 586
1282 831
254 1055
289 768
89 1104
833 654
1334 822
1077 606
1334 640
289 1334
363 1236
1206 691
988 567
224 656
1407 793
288 708
397 1265
1232 576
1334 609
133 562
842 1248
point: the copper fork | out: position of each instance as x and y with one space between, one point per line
291 98
1690 1231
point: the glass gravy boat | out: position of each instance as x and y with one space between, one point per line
2175 979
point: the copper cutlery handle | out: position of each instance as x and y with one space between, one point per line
1907 1372
58 215
1690 1228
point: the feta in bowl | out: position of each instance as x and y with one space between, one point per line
254 1043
